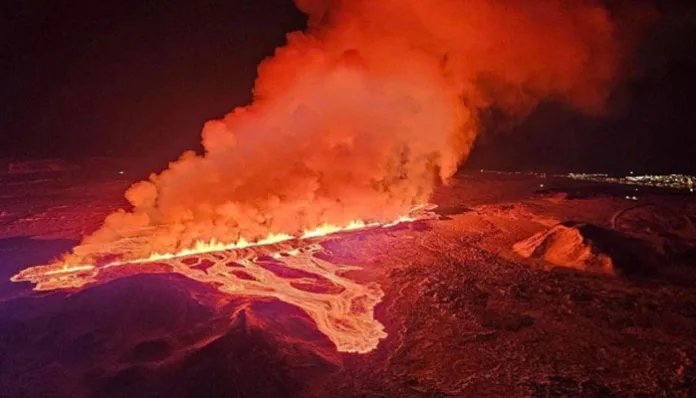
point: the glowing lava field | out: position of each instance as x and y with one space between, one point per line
446 305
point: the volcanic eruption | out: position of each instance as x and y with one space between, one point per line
353 123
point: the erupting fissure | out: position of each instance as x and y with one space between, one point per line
341 308
200 247
357 118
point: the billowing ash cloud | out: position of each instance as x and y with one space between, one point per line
362 114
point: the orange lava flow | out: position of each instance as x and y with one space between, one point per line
289 268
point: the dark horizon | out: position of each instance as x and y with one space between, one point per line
138 80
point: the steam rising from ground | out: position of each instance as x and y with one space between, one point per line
361 115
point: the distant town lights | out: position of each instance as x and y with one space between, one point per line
675 181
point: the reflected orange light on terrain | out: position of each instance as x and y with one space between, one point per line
271 267
359 117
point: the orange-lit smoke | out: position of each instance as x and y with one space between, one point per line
361 115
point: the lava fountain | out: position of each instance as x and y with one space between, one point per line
357 118
289 268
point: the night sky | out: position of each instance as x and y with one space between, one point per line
139 79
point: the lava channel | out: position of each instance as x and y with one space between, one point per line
286 268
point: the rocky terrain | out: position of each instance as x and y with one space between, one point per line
524 287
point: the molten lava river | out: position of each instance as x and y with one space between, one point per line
294 269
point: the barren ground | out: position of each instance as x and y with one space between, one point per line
465 315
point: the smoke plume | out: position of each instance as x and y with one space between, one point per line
361 115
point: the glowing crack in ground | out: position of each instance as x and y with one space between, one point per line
294 270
